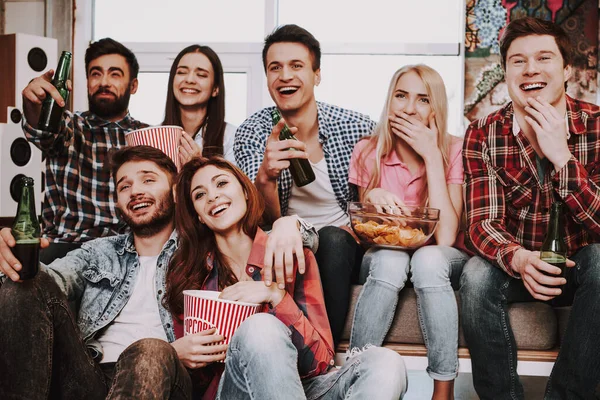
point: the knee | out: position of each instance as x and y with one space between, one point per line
430 267
588 260
385 265
147 354
480 283
334 238
30 292
259 334
387 365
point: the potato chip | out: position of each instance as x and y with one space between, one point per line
389 235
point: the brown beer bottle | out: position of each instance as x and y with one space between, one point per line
26 231
554 248
300 168
51 114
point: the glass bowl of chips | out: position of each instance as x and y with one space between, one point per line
396 227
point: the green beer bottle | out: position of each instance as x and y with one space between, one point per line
51 114
300 168
554 248
26 231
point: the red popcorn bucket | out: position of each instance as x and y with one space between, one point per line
202 310
165 138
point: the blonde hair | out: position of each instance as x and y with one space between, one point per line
382 139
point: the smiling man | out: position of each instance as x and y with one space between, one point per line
326 136
78 205
542 147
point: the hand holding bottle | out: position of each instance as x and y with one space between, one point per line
36 92
9 265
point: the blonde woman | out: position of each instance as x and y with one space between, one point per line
412 160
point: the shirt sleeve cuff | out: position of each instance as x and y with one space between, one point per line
570 178
287 310
505 256
310 237
31 131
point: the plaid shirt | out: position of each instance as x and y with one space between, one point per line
79 197
339 130
507 203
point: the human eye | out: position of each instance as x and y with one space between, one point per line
400 95
297 66
424 100
199 194
149 180
222 183
123 187
275 68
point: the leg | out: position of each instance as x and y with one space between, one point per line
261 362
576 373
336 257
433 269
43 355
57 250
150 369
387 273
485 291
376 373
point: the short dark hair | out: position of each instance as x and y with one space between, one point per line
108 46
142 153
294 34
526 26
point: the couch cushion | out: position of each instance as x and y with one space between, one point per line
534 324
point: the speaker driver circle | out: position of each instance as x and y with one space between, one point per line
15 116
20 152
15 187
37 59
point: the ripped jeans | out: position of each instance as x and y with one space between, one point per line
435 271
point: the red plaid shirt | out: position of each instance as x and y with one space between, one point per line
507 203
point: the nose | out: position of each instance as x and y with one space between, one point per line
286 73
410 108
532 68
189 78
104 81
212 196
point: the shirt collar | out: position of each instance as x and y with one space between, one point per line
99 121
392 159
129 244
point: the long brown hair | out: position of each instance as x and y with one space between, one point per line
214 123
189 268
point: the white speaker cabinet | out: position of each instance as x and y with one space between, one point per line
22 58
18 157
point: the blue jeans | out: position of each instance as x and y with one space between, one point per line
485 293
262 363
434 269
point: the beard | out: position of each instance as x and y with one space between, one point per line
109 108
162 217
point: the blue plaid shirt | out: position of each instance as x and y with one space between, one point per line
339 130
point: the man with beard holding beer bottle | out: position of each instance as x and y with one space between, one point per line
78 202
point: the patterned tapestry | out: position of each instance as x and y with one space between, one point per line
485 90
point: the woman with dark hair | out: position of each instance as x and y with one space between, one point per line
196 102
221 247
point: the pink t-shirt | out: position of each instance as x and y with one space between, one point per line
395 176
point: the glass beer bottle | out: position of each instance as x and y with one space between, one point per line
554 248
300 168
51 114
26 231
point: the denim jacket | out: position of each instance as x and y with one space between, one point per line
98 280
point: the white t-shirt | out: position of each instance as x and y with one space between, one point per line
139 319
228 138
316 202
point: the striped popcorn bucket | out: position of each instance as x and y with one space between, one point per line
165 138
202 309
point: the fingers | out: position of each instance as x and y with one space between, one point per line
278 266
277 130
44 243
69 85
9 265
48 75
288 261
299 250
268 261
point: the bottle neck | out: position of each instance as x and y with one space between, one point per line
26 225
63 68
555 228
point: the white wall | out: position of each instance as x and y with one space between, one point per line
25 17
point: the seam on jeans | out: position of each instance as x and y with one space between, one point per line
503 319
393 309
354 363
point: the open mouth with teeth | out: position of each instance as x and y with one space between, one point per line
218 210
190 91
287 90
140 206
527 87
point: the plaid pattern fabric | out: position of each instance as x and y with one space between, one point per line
302 309
507 203
78 201
339 130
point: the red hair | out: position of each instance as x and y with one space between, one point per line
189 268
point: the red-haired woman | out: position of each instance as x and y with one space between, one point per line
221 247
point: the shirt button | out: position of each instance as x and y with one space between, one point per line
545 210
168 325
160 292
251 270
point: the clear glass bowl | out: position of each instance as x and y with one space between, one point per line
395 227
